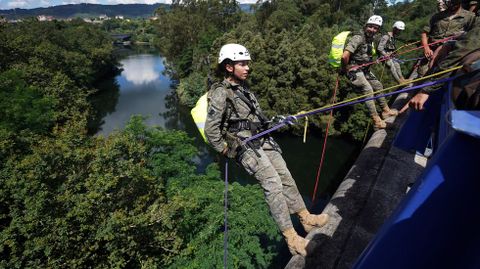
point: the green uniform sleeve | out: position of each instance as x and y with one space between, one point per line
382 44
217 105
471 22
353 43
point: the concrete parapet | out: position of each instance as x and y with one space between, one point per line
366 197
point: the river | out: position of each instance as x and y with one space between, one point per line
143 88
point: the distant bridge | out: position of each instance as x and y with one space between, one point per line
121 38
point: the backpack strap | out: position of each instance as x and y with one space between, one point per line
252 107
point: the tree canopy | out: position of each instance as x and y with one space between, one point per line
289 42
130 200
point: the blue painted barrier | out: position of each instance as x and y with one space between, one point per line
437 224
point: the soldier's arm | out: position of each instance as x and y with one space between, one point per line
427 51
217 105
345 61
382 44
350 48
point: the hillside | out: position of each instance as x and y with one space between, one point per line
92 10
84 10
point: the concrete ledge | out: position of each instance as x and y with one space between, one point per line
366 197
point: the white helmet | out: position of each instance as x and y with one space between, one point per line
375 20
400 25
234 52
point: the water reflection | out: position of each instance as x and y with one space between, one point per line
141 69
103 103
143 90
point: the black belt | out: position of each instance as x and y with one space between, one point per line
242 125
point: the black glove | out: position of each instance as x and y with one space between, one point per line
352 76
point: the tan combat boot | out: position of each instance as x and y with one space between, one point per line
296 244
405 81
378 122
387 112
310 221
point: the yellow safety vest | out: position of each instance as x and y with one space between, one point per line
338 45
336 51
199 114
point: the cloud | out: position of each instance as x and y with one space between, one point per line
16 4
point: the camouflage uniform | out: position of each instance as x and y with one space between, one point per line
443 25
386 46
361 51
466 45
262 159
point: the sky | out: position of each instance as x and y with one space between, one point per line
27 4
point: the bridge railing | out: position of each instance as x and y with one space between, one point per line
436 225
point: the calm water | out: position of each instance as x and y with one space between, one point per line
142 88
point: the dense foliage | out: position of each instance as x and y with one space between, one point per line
132 200
289 42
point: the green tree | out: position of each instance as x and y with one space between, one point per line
131 200
23 107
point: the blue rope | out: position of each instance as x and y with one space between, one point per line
225 223
289 120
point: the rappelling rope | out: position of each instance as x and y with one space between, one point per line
407 45
386 58
319 170
225 219
292 118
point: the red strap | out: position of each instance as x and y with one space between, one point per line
319 170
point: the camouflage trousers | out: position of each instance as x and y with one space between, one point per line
395 69
369 83
279 187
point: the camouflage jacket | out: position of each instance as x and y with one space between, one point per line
464 46
226 107
360 47
443 24
386 44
